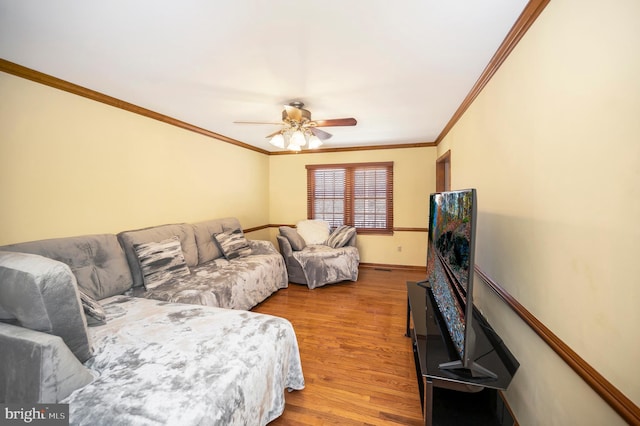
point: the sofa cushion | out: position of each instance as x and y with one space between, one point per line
341 236
37 367
295 240
161 261
158 233
208 249
97 261
313 231
240 283
42 295
93 311
233 244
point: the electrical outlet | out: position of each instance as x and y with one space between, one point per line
399 248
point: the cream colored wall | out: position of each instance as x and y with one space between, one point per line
72 166
552 146
414 180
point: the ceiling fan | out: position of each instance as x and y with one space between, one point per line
298 128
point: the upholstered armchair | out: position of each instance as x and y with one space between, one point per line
315 256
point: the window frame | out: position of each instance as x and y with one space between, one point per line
349 196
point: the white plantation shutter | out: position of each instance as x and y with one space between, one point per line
356 194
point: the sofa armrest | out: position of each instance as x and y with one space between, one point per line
352 241
37 367
285 247
294 269
262 247
41 294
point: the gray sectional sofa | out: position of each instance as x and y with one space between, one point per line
171 354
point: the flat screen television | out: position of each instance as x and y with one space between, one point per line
450 263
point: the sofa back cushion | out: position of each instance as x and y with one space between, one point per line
208 249
183 231
97 261
41 294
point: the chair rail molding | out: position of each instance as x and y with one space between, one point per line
607 391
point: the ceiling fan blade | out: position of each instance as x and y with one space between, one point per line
256 122
321 134
336 122
273 134
293 113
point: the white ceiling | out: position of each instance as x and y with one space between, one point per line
401 68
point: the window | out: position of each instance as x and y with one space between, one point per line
358 194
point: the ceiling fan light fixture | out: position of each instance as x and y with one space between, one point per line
294 147
297 138
298 128
277 141
314 142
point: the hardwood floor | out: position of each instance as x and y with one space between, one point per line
357 363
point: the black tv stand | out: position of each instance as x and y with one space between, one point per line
432 348
424 284
474 370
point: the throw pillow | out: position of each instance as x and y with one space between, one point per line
313 231
93 311
161 261
341 236
233 244
296 241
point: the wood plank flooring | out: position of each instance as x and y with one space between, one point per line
357 363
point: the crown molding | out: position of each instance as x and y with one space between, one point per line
526 19
57 83
528 16
359 148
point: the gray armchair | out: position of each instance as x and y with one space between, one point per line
317 264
